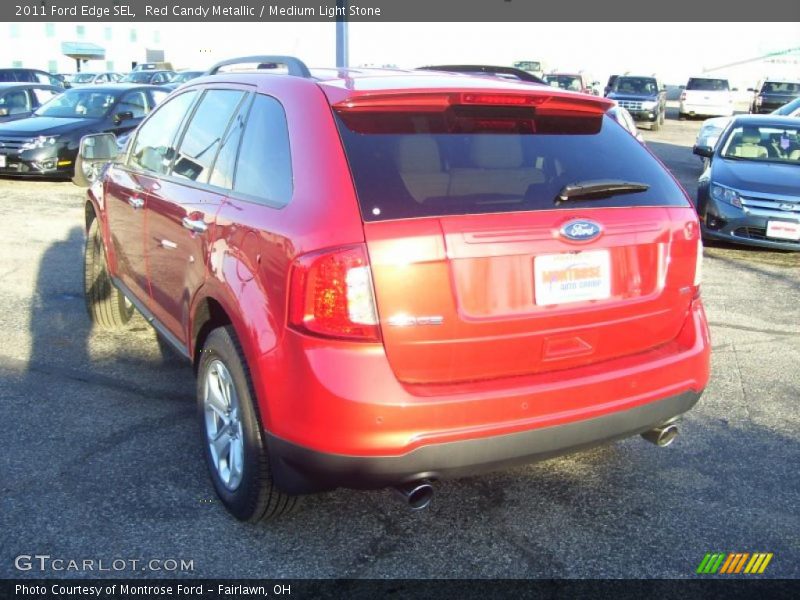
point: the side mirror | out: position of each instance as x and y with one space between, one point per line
95 151
735 90
750 90
4 111
122 116
703 151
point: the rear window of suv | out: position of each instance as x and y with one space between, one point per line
470 160
708 85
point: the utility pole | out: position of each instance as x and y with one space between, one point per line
342 43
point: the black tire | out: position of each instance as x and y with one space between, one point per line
655 125
682 116
107 306
255 497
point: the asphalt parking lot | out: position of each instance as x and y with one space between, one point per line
101 458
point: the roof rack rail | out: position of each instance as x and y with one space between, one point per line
295 66
488 69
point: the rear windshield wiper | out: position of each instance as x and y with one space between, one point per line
598 188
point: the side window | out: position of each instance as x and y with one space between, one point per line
41 78
204 134
134 102
224 166
158 97
43 95
153 149
15 102
264 166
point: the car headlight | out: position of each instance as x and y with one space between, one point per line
648 104
40 142
724 194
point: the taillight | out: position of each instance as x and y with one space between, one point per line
683 96
698 268
331 295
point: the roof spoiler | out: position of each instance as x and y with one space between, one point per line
487 69
295 66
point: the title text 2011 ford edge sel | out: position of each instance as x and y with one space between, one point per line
385 278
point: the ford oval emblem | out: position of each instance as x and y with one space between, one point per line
581 230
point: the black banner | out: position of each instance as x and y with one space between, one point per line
358 589
395 10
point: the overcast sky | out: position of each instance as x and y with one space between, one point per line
672 50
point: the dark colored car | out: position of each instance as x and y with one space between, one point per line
19 100
22 75
643 97
790 109
182 77
149 77
771 95
610 84
47 142
383 280
750 192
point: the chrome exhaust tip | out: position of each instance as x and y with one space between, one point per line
417 494
663 435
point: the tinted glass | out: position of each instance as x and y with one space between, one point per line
154 148
15 102
204 134
225 165
780 87
135 103
264 167
79 103
636 85
469 160
708 85
762 143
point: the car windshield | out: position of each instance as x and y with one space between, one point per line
565 82
138 77
636 85
528 65
80 103
83 78
780 87
471 160
763 143
708 85
788 109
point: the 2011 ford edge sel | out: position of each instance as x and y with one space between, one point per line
385 278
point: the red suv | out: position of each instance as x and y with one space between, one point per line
384 278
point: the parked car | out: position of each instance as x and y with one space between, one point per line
790 109
749 193
149 77
19 100
534 67
643 97
387 280
79 79
706 96
47 142
182 77
624 118
708 136
153 66
612 79
773 94
21 75
574 82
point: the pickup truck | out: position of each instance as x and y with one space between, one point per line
644 98
706 96
771 95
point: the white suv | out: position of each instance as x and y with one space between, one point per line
706 96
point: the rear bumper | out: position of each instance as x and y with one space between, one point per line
299 470
707 110
341 418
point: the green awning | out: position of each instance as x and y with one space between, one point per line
83 50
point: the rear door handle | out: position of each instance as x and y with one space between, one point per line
198 226
135 202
